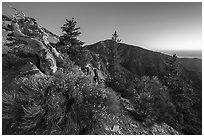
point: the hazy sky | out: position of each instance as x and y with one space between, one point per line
155 26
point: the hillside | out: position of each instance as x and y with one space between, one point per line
55 89
138 62
142 61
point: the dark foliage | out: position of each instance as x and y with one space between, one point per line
115 37
11 60
183 97
151 101
70 34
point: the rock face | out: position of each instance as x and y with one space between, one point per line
28 37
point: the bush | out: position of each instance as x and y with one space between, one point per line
65 63
65 103
151 101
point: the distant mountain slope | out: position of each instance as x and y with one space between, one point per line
135 59
141 61
193 70
193 64
184 53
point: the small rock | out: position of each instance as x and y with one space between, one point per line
116 128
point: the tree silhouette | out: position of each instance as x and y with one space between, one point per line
115 37
70 33
115 58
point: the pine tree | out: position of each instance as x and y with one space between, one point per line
180 91
173 71
70 33
115 55
115 37
151 101
117 76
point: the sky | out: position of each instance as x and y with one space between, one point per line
154 26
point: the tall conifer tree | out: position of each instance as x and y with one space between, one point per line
70 33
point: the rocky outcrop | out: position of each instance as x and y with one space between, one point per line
28 37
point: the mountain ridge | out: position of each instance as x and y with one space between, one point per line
72 92
96 47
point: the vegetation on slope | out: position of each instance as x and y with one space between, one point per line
88 93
